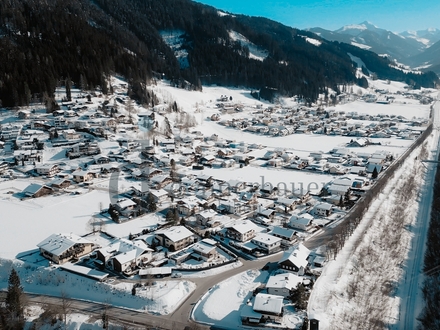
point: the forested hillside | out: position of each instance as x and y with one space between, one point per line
44 43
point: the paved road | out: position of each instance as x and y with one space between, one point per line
180 318
182 314
410 291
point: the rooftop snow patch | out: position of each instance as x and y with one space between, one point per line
255 52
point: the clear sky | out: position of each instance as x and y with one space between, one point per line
393 15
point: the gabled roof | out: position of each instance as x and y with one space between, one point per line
125 203
176 233
57 244
243 226
125 250
34 188
304 218
297 257
283 232
324 206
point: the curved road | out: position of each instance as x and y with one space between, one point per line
180 318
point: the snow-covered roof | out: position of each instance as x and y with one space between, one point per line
89 272
268 303
283 281
284 232
244 226
266 239
176 233
304 218
298 256
32 189
124 250
203 247
324 206
57 244
122 204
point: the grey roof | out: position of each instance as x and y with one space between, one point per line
57 244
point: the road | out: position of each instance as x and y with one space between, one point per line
182 314
180 318
410 291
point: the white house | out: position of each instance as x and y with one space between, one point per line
323 209
267 243
282 284
301 221
241 231
270 306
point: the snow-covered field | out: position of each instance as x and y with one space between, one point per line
30 221
161 298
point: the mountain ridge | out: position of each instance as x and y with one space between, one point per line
47 43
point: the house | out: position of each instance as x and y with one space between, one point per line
371 167
47 169
267 243
159 196
205 250
4 166
282 284
37 190
60 248
361 142
100 159
288 204
287 235
359 170
236 185
295 260
267 189
188 205
174 238
302 194
323 209
270 306
70 134
124 256
60 183
125 206
241 231
225 153
82 176
160 181
302 221
206 216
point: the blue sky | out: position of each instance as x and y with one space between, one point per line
393 15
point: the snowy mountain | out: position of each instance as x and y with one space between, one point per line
188 43
429 59
368 36
428 37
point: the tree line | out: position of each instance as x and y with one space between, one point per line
45 44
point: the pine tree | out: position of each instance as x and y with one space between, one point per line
68 89
14 301
375 173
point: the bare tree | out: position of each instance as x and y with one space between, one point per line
65 306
